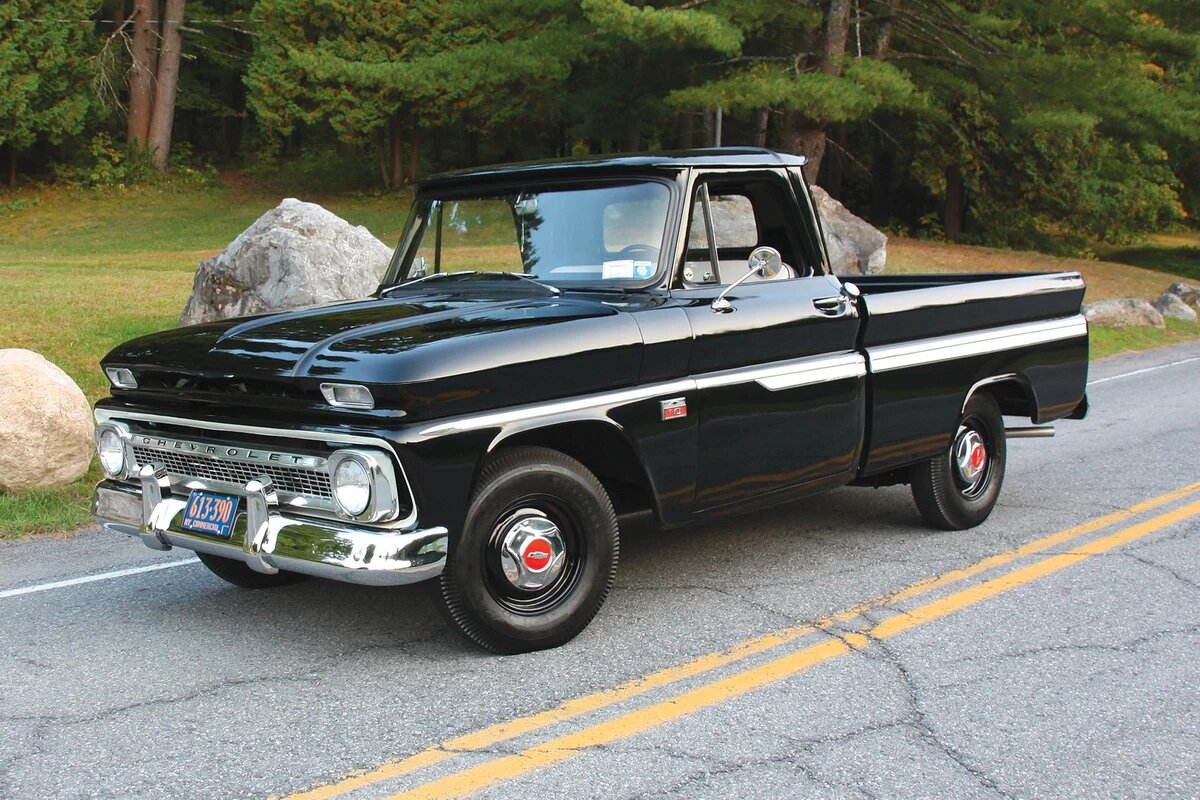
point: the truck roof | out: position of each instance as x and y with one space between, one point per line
744 157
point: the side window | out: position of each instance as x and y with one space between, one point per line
729 220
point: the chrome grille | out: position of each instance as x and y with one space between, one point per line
293 480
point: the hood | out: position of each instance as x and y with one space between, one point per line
427 347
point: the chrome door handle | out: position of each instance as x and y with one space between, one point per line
835 306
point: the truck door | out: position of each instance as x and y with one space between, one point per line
780 388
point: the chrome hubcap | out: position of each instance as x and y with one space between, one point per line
532 551
970 456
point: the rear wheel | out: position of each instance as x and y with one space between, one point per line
959 488
537 555
239 574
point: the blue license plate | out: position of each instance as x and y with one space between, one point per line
210 513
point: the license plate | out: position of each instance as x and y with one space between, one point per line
211 513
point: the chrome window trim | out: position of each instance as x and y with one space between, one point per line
774 377
963 345
103 415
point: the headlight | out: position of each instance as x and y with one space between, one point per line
363 481
110 447
351 487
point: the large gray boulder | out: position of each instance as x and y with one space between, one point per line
855 246
1172 306
1185 292
297 254
1127 312
45 424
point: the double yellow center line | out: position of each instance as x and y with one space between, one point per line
561 748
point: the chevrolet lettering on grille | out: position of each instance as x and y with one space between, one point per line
223 451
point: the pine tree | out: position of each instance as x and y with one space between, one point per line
44 72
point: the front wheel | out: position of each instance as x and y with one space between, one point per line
959 488
537 555
239 574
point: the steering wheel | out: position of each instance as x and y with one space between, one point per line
642 252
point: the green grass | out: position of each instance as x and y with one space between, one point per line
48 511
1111 341
82 271
1175 253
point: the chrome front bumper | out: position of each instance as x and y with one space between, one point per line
269 541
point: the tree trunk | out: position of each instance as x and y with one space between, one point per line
141 78
472 148
762 117
808 139
633 130
884 43
835 164
687 129
167 84
414 152
952 219
12 164
837 31
381 151
806 135
883 171
397 148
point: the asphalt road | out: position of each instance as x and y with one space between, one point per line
1055 653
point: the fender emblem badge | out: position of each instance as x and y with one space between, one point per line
674 408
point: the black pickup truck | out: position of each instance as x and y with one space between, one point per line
555 346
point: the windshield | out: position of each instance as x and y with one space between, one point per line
598 235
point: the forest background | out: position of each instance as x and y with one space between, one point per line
1041 124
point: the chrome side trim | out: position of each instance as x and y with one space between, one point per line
104 415
962 345
589 403
787 374
774 377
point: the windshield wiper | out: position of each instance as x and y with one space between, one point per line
554 290
405 284
535 279
621 290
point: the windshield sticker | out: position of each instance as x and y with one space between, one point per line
643 269
615 270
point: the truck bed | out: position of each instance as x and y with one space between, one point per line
906 307
930 340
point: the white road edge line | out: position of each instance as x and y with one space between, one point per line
103 576
1141 371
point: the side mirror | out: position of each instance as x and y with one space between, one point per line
420 268
764 262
